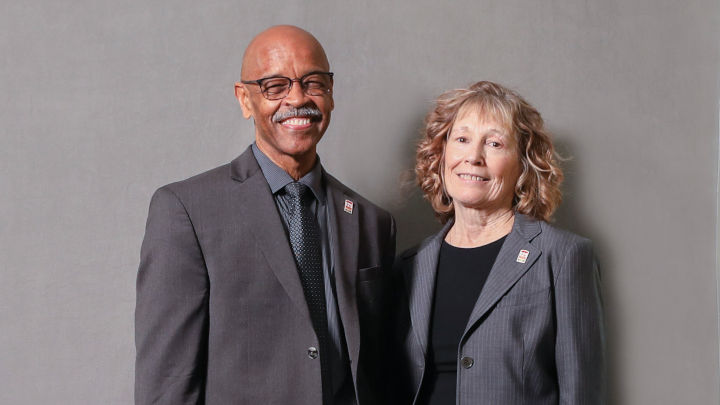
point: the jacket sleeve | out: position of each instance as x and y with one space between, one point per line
580 345
171 314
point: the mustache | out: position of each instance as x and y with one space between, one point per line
307 111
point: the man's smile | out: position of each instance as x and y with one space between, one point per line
297 123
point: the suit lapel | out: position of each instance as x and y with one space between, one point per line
343 230
420 284
256 209
508 268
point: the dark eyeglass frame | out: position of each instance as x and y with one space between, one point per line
300 79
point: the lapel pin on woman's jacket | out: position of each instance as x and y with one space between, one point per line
522 256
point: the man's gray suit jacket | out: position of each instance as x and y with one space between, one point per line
221 316
535 335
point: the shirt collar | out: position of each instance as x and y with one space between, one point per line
277 178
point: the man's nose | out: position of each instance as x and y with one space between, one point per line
296 95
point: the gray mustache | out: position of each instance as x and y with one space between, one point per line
309 112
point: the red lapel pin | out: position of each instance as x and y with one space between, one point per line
349 206
522 256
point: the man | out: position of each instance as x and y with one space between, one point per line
261 281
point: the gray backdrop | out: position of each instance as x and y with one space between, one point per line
101 102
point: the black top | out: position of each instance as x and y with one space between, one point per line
461 275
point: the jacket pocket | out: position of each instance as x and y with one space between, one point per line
372 292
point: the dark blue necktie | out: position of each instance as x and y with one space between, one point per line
305 242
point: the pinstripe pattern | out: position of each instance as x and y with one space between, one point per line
536 330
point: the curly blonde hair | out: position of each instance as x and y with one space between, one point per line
537 192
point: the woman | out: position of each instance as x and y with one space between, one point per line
499 307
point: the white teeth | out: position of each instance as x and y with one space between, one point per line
471 177
297 121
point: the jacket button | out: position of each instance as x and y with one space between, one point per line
312 352
467 362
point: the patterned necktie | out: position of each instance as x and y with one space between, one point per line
305 242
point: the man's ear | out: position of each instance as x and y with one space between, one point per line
243 97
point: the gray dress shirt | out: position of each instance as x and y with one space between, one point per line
277 179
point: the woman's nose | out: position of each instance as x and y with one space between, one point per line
476 155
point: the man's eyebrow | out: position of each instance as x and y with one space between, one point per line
313 72
277 75
273 76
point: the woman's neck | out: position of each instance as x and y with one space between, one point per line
473 228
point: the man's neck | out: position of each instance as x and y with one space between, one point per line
295 166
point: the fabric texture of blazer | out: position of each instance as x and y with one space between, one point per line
535 335
221 316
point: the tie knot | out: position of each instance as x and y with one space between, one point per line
298 190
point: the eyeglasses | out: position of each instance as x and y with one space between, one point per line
278 87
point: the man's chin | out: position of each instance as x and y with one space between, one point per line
296 147
300 140
295 144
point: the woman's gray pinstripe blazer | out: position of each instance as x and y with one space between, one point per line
535 335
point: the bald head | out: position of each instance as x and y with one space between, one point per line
288 127
280 42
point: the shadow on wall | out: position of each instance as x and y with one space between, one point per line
575 216
413 214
